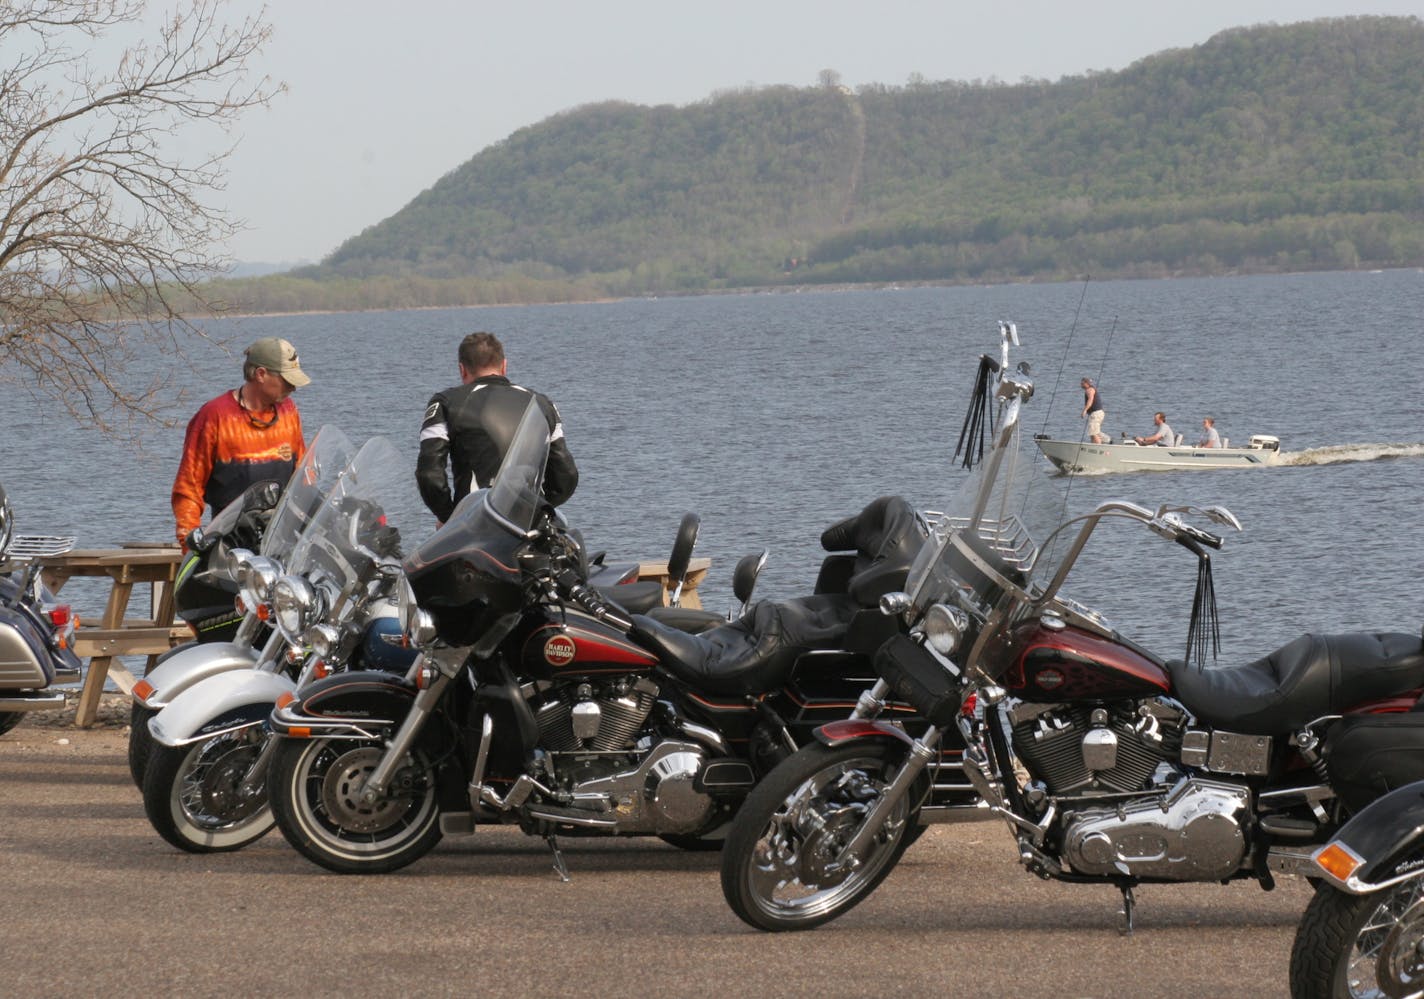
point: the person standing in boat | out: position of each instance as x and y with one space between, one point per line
1162 434
1093 411
1210 438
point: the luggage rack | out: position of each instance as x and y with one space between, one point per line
28 547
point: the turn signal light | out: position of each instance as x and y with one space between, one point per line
143 690
1339 861
264 612
285 698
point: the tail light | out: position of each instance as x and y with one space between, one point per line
61 615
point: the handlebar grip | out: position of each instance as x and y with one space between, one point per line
1205 537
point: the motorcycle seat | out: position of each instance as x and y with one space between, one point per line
753 654
1305 679
637 597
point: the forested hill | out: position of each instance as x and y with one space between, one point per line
1271 147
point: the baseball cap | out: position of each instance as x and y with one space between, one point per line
279 357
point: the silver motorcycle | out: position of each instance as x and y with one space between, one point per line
331 606
254 642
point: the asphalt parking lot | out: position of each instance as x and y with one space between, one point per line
94 903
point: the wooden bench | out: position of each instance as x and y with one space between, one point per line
117 634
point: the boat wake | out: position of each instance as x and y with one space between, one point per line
1339 453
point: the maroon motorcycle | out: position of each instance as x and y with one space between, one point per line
1109 764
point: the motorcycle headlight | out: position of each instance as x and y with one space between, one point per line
257 574
294 604
944 628
420 632
322 639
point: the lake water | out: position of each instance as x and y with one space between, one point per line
775 415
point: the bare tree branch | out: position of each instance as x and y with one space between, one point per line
106 236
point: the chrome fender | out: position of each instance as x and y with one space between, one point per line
189 666
222 703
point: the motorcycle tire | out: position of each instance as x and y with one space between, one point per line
1346 945
797 819
140 742
191 798
9 719
313 785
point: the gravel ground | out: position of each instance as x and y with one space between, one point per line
97 903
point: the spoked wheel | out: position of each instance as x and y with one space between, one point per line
140 742
1355 946
779 866
193 798
316 797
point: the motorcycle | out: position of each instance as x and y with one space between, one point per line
535 701
205 590
36 631
204 784
1362 934
253 642
1108 764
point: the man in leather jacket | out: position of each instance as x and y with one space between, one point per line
470 427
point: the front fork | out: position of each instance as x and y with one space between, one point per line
420 711
922 751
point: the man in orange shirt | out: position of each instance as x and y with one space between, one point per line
246 435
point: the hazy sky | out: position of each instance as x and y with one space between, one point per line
383 99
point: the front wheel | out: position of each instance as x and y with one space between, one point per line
316 797
193 794
9 719
1352 946
140 741
779 869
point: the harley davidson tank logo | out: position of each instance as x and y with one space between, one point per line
1048 679
559 650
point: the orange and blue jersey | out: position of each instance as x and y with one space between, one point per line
226 450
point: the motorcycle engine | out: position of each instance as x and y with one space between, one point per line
1195 832
603 759
1073 748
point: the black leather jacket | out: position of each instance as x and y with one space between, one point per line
470 426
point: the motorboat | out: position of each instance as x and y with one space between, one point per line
1126 455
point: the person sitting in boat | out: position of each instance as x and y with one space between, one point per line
1210 438
1161 435
1093 411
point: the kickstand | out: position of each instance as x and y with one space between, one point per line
560 867
1127 905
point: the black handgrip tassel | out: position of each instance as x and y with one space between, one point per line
978 421
1204 628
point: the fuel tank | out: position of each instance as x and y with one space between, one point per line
575 644
1070 664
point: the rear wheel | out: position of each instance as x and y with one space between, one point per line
1354 946
193 798
316 786
9 719
778 865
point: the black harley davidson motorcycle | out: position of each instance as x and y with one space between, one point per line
1108 764
537 701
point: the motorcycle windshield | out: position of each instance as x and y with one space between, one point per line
329 452
1006 511
348 532
507 509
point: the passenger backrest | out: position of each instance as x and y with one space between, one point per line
1180 438
1225 442
885 537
